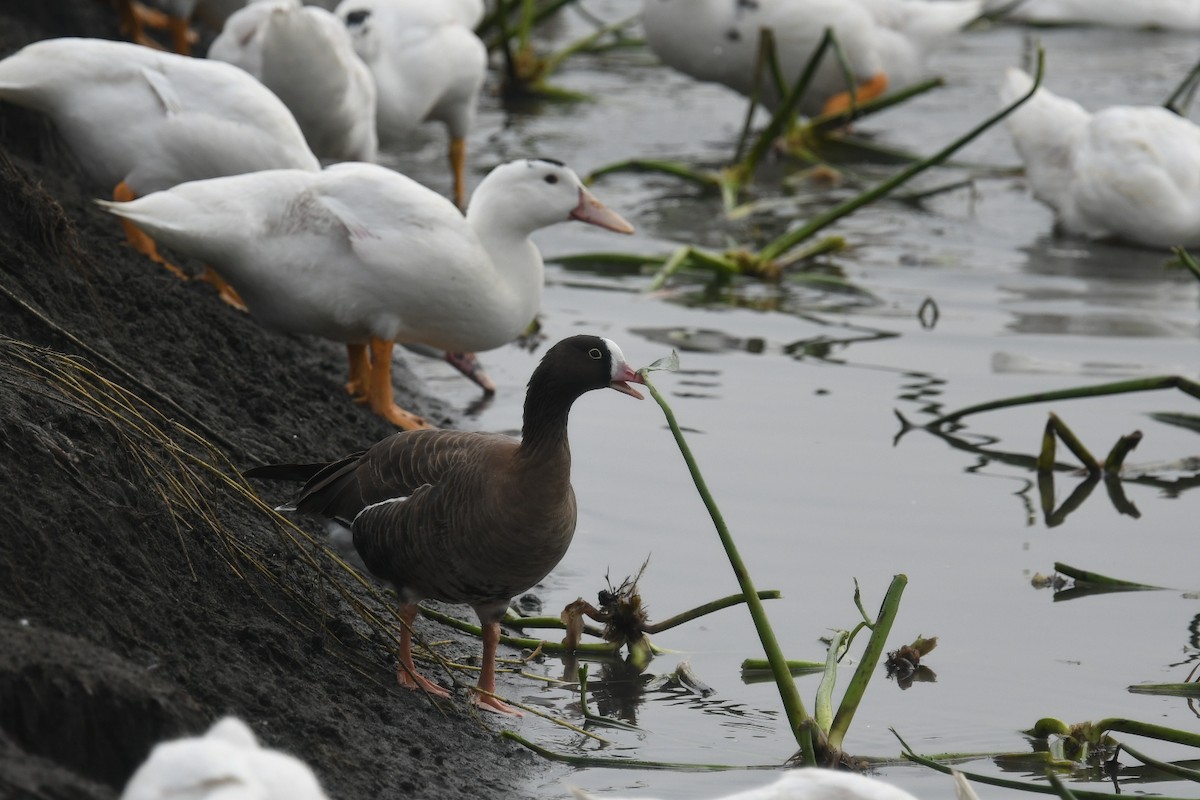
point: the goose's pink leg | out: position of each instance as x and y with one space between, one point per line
406 673
487 674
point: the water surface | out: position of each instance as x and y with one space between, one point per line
788 397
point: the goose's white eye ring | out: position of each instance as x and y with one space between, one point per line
595 353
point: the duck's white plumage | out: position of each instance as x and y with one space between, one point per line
360 253
427 65
1130 172
805 784
912 29
822 784
305 56
227 763
885 40
151 119
1183 15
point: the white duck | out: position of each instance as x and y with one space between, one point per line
227 763
1182 15
363 255
819 784
305 56
912 29
885 42
140 120
427 67
1131 172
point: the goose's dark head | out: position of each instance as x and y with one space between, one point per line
569 369
581 363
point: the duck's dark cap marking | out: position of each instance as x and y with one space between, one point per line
553 161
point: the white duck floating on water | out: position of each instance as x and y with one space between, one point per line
140 120
304 55
227 763
1130 172
363 255
886 42
1181 15
427 65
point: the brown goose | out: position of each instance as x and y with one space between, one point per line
467 517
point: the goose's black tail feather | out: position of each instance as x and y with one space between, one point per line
285 472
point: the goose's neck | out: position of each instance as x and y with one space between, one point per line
544 431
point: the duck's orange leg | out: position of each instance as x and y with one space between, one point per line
137 238
406 673
224 289
487 674
181 35
358 387
379 393
842 102
458 165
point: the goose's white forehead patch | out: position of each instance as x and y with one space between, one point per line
615 356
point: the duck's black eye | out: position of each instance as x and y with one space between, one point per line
357 18
551 178
595 353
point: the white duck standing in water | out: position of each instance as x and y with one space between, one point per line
885 42
428 67
363 255
1129 172
305 56
226 763
464 516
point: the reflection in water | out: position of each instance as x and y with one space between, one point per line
1172 479
1101 289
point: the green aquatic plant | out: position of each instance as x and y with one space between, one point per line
772 259
509 28
817 140
820 737
1186 260
1085 739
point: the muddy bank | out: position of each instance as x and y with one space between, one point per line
142 593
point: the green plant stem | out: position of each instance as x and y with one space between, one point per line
762 665
798 717
1188 261
1184 91
791 239
709 608
657 627
1165 689
842 118
1120 387
1073 443
1165 766
823 708
976 777
868 661
1147 729
1096 579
